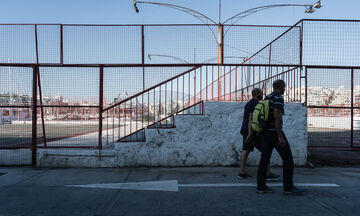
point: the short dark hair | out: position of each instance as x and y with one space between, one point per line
255 91
277 84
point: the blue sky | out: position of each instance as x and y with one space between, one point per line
121 11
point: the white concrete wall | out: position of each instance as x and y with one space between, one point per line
212 139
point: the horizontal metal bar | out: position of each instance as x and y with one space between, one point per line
331 66
14 106
15 147
21 24
331 20
137 65
335 147
72 147
68 106
329 107
136 25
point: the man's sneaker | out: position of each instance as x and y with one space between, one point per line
243 175
294 191
266 189
273 177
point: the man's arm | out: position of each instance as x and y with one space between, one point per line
278 126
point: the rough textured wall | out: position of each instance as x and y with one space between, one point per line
210 140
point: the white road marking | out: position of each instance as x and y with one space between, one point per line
172 185
254 185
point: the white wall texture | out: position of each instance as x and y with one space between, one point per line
212 139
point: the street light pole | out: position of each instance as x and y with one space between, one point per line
205 19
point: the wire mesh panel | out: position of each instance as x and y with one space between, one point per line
70 85
49 37
16 127
329 127
17 44
329 87
356 118
331 42
156 75
17 157
102 44
285 49
356 123
15 86
181 44
241 42
15 115
69 107
121 83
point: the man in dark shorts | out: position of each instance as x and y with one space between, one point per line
273 137
250 138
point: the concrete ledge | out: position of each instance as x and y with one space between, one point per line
76 158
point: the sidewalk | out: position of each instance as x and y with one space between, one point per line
201 191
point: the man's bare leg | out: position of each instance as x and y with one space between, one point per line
243 158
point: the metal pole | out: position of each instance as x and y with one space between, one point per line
352 108
301 43
101 106
143 53
219 58
34 116
219 11
306 86
61 45
41 107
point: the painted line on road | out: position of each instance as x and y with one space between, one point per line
172 185
254 185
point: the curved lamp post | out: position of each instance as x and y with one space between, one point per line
207 20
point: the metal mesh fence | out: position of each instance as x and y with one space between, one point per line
69 86
329 127
11 157
49 43
102 44
241 42
17 44
121 83
331 42
68 111
164 48
356 101
329 87
15 86
283 50
155 75
16 127
68 98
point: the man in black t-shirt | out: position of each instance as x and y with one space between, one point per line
250 138
273 137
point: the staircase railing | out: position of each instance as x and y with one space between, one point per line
184 94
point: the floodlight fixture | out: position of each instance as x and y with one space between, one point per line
310 10
317 5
